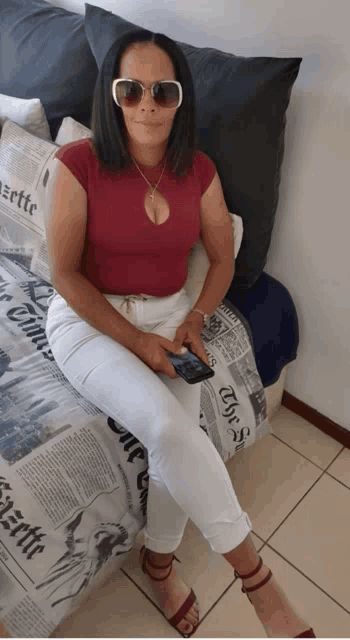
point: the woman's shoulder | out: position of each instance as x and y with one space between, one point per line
199 153
205 169
76 147
202 159
203 163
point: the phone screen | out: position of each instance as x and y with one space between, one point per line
190 367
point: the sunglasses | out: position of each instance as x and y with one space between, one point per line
129 93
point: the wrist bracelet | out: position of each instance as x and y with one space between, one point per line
205 316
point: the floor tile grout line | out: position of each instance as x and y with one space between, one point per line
324 471
148 598
295 506
305 575
309 460
334 459
217 601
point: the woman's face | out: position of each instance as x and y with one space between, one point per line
148 64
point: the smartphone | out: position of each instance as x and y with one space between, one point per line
190 367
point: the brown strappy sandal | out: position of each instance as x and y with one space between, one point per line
309 633
180 614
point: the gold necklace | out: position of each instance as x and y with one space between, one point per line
151 194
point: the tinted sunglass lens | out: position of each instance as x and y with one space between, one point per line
128 93
166 94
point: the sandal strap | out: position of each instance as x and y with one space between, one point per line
307 634
155 566
180 614
250 575
257 586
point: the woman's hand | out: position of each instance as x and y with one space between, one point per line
188 334
153 350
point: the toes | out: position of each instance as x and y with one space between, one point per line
192 616
195 612
186 627
191 621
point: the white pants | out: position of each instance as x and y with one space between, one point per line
187 477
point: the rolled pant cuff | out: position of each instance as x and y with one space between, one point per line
161 546
232 536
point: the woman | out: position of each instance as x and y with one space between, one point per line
126 208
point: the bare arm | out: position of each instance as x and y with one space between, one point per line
89 303
215 287
218 240
65 222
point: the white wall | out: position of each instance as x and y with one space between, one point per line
309 252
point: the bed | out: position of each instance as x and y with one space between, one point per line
63 464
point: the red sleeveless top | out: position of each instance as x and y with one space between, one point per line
125 252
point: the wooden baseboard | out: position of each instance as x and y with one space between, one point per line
320 421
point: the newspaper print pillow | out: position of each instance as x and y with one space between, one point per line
67 472
25 166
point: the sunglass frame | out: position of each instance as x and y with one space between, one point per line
114 94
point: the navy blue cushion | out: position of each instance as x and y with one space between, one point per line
272 317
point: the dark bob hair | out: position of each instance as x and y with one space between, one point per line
107 121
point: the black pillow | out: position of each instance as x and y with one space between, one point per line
241 105
45 54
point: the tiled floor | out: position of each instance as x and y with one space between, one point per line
295 486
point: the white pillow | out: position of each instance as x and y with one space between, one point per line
198 263
71 131
29 114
